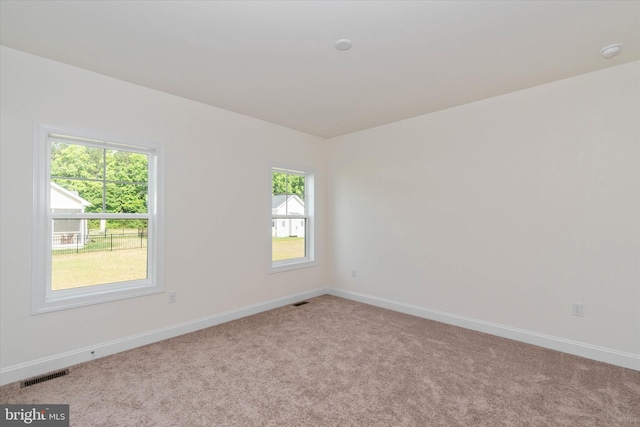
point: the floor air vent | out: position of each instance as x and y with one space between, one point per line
43 378
298 304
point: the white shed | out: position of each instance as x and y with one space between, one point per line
68 231
287 204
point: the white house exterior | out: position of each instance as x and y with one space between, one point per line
68 232
287 204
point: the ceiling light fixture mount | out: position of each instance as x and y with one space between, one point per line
343 44
610 51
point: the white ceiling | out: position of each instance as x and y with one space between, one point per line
276 61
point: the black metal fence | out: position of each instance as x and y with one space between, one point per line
72 243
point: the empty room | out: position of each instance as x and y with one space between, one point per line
320 213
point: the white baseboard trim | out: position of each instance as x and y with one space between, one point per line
601 354
60 361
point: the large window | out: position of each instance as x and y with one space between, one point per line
291 219
96 231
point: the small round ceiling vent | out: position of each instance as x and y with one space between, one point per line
611 50
343 44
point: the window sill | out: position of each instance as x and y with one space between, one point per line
293 265
66 300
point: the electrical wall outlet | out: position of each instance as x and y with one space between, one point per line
354 273
577 309
173 297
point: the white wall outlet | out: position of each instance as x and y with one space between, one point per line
577 309
173 297
354 273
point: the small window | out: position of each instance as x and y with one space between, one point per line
292 212
96 230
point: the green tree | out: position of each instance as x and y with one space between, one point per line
285 183
127 174
73 165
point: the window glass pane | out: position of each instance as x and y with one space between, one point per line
288 192
295 205
288 240
76 195
286 183
126 198
76 161
124 166
95 252
278 181
297 185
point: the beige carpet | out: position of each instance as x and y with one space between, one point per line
334 362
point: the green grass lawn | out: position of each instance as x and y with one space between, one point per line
287 248
97 268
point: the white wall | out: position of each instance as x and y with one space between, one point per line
504 211
217 172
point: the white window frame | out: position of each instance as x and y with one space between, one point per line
43 298
309 203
